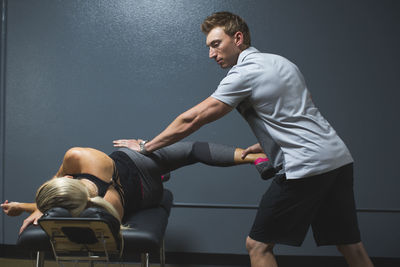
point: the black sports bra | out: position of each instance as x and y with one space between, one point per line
126 180
102 186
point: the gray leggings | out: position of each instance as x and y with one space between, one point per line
173 157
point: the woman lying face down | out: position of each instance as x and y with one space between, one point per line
124 181
70 194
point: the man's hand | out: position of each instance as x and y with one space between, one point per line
33 218
129 143
256 148
12 208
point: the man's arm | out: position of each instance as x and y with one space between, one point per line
185 124
188 122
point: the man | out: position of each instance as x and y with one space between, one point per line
314 180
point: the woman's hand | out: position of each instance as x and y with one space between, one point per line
129 143
16 208
33 218
256 148
12 208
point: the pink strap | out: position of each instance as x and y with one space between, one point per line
259 160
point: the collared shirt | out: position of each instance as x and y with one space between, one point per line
271 94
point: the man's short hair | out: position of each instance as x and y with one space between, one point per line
231 24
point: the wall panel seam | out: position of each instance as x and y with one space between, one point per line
3 103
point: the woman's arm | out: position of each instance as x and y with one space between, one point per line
16 208
71 163
33 218
86 160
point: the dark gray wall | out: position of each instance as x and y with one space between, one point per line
82 73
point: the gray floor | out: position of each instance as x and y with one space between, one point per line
5 262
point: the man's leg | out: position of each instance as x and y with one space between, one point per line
261 254
336 221
284 216
355 255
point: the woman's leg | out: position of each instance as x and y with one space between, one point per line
187 153
182 154
250 158
172 157
221 155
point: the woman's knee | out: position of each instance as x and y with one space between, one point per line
256 247
200 152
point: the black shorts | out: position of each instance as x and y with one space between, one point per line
325 201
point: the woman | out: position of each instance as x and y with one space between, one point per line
124 181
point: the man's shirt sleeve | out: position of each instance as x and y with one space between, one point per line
233 89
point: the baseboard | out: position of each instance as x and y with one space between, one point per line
185 258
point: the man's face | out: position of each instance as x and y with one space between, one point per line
223 48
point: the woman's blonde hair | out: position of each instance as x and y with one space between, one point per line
70 194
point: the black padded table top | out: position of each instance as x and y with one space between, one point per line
145 234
